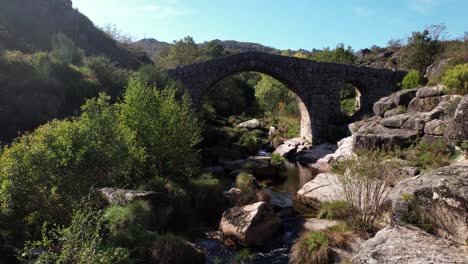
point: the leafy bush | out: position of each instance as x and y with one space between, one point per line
334 210
162 123
43 173
170 249
411 80
456 80
81 242
312 247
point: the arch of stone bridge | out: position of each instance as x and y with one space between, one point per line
317 85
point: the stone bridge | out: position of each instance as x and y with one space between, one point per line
317 85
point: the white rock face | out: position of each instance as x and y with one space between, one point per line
315 224
252 225
252 124
325 187
409 245
291 146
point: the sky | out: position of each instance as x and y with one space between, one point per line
283 24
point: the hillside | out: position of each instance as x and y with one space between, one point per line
29 25
152 46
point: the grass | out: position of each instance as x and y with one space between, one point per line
312 248
334 210
276 159
429 155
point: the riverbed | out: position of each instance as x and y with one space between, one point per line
288 210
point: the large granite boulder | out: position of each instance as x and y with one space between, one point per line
396 121
401 98
324 188
409 245
446 108
251 124
251 225
436 127
378 136
457 129
114 196
430 91
416 121
425 104
442 195
383 105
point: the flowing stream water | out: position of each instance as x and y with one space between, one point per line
277 250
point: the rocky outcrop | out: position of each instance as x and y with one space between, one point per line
441 195
251 124
409 245
457 129
380 136
409 115
116 196
251 225
325 187
344 151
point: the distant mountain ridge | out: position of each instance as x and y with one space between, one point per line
153 46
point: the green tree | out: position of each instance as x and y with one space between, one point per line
420 51
213 49
166 127
183 52
340 54
270 93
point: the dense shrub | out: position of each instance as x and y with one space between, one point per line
81 242
43 173
340 54
456 80
167 128
412 80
